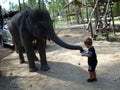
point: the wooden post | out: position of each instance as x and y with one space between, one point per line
80 16
96 13
67 16
91 30
76 11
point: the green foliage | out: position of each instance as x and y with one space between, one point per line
99 37
30 3
112 38
56 7
116 9
61 22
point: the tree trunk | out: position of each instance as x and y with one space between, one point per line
0 17
23 3
42 4
87 11
39 6
76 12
19 5
113 23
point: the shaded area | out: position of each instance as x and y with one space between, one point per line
65 71
5 51
8 83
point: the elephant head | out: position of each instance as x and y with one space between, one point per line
40 24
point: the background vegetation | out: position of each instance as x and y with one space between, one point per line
55 8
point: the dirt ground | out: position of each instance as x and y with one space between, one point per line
68 68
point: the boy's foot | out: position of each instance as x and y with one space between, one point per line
91 80
95 79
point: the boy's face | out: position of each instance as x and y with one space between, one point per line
87 45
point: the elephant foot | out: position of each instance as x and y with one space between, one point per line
45 68
22 61
33 69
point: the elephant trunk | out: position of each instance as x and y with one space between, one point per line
58 41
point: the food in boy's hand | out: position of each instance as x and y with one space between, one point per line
86 52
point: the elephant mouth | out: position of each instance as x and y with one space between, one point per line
52 35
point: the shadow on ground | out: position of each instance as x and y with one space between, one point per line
8 83
64 71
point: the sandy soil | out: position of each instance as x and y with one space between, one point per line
68 68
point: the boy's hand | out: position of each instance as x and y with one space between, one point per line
82 55
86 53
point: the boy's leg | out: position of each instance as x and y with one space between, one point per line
90 71
91 77
94 75
94 72
90 74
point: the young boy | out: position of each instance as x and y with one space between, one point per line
92 59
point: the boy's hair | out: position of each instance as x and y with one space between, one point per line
88 41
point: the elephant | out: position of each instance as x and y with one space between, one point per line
29 25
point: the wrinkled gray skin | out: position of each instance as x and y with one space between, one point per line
29 25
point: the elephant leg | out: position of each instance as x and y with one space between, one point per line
27 43
19 50
41 49
18 47
35 57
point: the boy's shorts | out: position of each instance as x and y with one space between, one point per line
92 68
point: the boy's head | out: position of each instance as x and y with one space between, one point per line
88 42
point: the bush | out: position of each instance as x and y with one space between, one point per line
99 37
112 38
